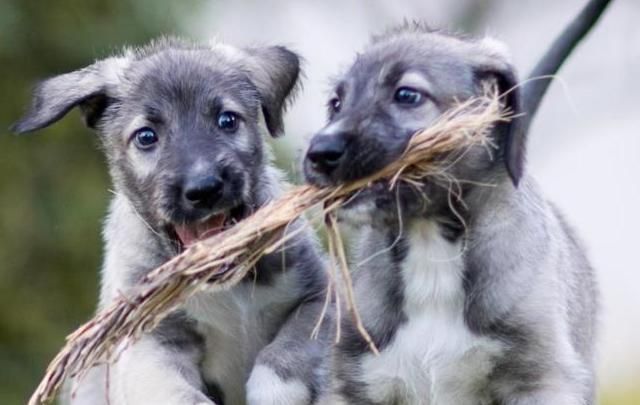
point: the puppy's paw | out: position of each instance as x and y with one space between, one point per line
265 387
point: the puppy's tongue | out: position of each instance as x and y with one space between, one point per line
191 233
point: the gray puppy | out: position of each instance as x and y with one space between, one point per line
183 127
475 291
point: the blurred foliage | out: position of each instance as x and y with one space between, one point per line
53 184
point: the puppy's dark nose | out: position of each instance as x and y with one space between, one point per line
326 152
203 192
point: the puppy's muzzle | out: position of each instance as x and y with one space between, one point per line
327 152
208 199
203 192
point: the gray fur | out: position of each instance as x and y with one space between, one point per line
525 293
204 352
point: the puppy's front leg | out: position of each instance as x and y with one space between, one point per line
162 367
289 371
89 390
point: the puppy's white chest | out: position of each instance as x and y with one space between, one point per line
236 324
433 358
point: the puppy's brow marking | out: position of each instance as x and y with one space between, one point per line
415 80
154 115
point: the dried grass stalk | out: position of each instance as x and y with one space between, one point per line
221 261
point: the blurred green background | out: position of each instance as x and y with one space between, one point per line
54 185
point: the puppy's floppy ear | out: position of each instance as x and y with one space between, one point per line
89 88
510 134
275 71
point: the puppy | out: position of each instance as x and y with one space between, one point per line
183 127
475 291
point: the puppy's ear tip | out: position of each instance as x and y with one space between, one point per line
289 58
276 130
288 54
515 171
20 127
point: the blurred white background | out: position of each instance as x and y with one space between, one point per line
584 145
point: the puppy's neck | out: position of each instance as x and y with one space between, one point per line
431 269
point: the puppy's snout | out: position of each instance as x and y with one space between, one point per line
203 191
326 152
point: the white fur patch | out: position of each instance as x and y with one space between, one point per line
333 128
265 387
90 390
496 47
415 80
231 52
146 373
434 358
112 69
235 325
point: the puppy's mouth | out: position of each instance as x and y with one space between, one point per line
187 234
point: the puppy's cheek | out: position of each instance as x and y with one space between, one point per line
145 163
359 164
243 142
238 184
164 206
373 152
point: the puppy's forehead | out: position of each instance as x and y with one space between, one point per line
442 45
191 74
187 65
446 61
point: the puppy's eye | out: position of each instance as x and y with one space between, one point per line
145 138
335 104
228 121
408 96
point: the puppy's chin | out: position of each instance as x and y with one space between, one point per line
358 214
362 208
381 206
